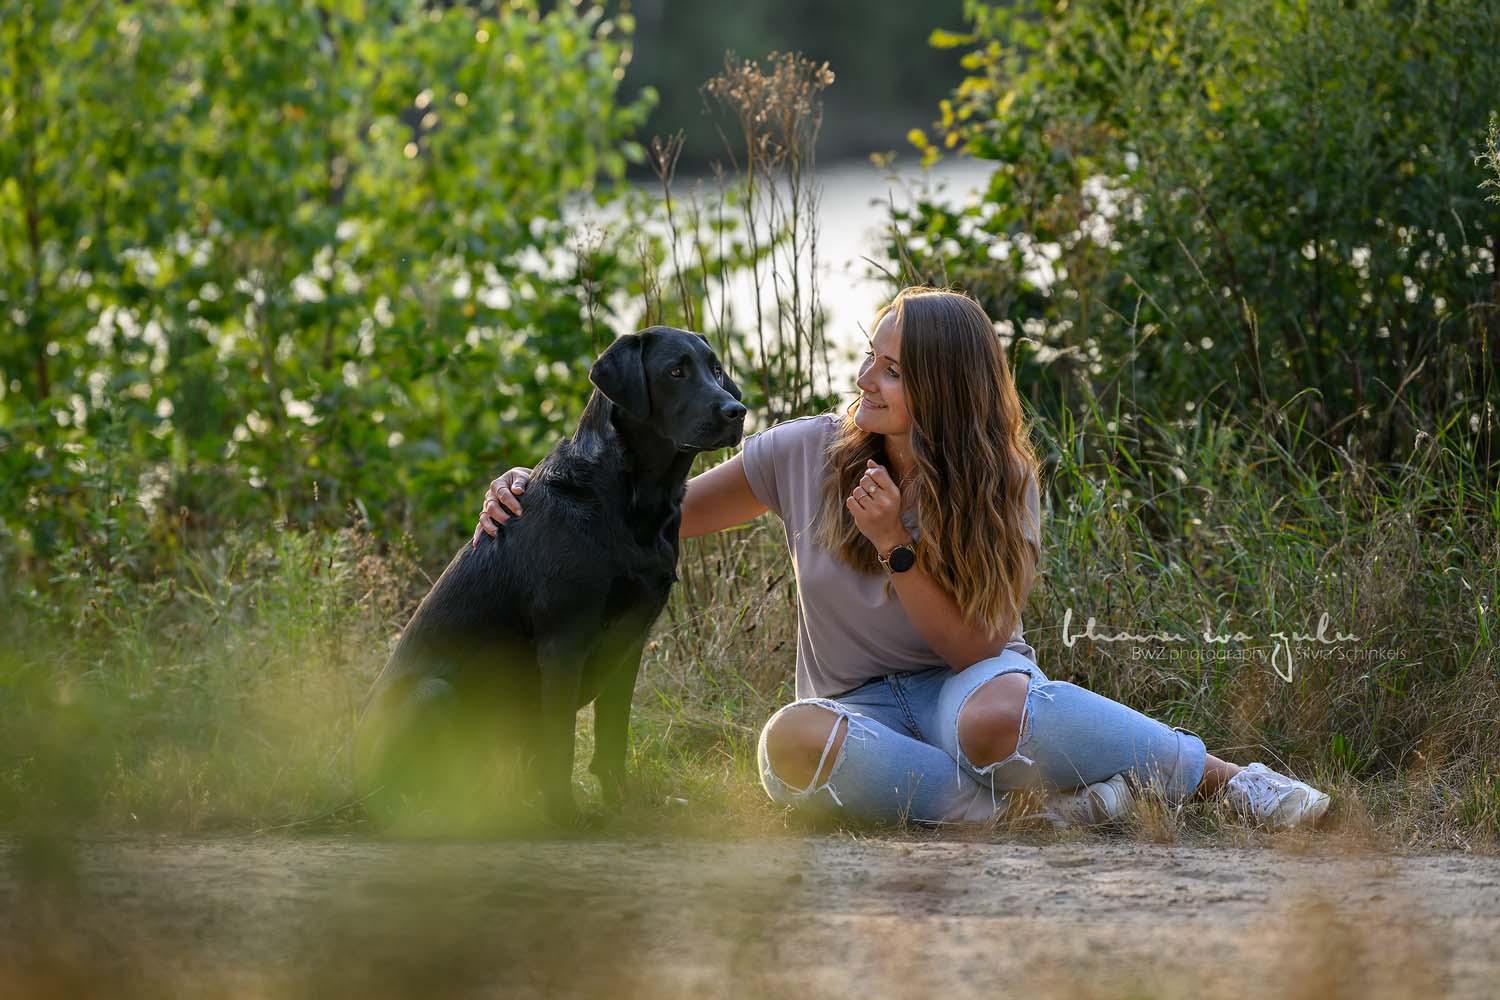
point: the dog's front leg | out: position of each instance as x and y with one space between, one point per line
612 723
561 661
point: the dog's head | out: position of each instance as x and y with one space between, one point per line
672 380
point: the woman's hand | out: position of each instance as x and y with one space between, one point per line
876 506
501 503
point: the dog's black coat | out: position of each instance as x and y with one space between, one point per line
523 629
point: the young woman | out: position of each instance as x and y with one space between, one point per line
913 520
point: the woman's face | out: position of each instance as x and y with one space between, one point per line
882 404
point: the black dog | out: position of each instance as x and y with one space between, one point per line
525 628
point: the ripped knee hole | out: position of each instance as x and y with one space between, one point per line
990 723
804 744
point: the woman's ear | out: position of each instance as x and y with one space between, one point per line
620 374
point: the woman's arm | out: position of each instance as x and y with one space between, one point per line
935 614
719 498
875 506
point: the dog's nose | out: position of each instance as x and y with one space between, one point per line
732 410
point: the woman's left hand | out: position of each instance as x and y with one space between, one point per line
876 506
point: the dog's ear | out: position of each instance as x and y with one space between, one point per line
620 373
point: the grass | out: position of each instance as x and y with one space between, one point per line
161 679
220 693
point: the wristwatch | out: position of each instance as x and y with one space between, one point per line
900 559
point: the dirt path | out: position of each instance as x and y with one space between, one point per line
818 916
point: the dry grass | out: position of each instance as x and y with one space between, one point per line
224 697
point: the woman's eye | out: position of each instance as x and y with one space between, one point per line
870 360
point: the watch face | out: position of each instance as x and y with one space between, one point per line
902 559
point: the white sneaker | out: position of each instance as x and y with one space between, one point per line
1100 803
1273 800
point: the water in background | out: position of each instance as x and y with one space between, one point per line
853 217
854 210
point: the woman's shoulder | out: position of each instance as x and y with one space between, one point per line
781 461
813 423
814 428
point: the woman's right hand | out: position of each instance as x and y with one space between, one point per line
501 503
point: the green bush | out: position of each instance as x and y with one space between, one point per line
1238 202
270 259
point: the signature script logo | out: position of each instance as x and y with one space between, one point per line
1281 651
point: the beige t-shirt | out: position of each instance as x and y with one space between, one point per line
848 630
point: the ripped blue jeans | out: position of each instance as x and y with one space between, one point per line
901 761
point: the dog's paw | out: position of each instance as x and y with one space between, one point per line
614 794
593 818
585 820
562 813
614 787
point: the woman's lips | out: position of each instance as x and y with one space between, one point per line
872 404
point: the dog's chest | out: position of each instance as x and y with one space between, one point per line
642 585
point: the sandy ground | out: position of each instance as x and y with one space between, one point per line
806 917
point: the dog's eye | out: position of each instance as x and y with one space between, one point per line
718 372
676 371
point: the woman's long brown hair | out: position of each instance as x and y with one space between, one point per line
973 458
